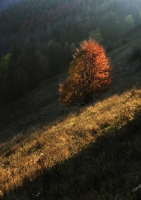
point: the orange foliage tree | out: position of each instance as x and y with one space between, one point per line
89 73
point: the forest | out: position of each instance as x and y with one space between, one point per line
38 37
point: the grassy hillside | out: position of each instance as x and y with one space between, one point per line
89 152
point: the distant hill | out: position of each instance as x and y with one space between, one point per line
64 22
38 37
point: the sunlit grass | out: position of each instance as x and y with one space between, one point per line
21 157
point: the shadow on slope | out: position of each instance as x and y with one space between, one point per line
108 168
40 107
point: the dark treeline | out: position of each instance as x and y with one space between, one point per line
5 3
33 30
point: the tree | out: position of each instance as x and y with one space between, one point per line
129 21
5 61
96 35
72 47
89 73
13 79
40 65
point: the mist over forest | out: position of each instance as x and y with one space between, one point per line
38 37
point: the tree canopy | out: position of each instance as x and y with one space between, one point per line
89 73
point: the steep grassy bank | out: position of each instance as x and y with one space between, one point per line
90 152
101 140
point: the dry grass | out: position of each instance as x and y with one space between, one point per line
27 156
91 152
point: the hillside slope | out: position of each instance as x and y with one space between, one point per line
89 152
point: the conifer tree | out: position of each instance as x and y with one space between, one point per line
89 73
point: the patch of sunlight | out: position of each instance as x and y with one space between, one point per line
69 137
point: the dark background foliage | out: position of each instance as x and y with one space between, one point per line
51 27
